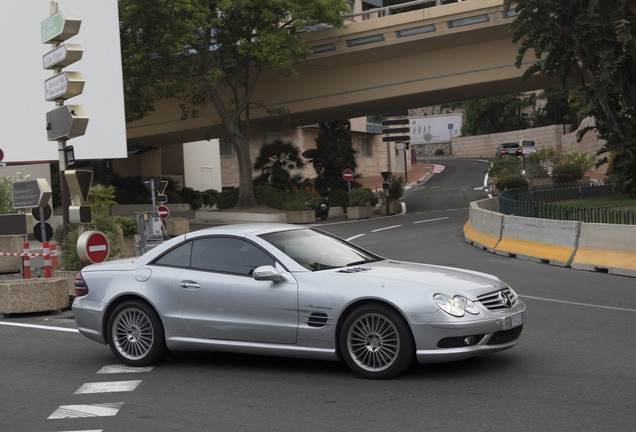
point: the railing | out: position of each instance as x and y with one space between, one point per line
539 202
388 10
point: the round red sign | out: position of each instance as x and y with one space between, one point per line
163 211
93 246
347 174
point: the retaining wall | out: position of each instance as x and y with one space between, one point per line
597 247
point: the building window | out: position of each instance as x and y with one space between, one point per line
225 147
365 147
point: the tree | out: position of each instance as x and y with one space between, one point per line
333 154
590 44
496 114
190 49
274 162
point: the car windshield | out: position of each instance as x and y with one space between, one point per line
316 250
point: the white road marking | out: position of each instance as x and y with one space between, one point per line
108 387
120 368
579 304
41 327
92 430
354 237
84 411
386 228
431 220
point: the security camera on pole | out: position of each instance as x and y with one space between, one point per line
64 122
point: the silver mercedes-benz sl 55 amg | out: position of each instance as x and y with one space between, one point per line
294 291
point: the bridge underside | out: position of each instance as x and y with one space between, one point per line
448 64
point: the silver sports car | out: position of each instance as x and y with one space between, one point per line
293 291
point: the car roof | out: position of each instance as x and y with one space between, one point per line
243 230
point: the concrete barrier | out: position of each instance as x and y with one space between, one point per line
33 295
11 244
539 240
607 247
483 228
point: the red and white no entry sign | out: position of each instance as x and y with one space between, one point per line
93 247
163 211
347 174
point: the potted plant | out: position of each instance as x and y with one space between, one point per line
392 195
300 205
362 202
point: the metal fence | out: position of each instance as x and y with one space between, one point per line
541 202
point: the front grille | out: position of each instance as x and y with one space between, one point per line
499 300
505 336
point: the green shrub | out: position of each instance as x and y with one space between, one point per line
567 172
511 182
303 198
269 196
128 225
363 196
505 167
228 199
439 152
339 198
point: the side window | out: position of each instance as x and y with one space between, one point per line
228 255
177 257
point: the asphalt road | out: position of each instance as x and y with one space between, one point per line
574 370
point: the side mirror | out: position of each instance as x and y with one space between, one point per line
266 273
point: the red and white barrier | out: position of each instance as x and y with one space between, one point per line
48 254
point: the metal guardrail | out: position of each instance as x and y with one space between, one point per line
540 202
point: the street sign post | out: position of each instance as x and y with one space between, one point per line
164 212
59 27
31 193
63 86
347 174
92 247
62 56
66 122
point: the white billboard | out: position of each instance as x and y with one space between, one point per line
23 107
434 129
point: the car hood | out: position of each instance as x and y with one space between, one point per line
436 278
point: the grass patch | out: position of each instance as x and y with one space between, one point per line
610 201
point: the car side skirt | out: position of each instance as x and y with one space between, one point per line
195 344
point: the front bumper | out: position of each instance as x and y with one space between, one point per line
450 339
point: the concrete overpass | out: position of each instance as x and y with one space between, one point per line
427 57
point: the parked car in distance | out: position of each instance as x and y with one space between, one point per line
509 149
289 290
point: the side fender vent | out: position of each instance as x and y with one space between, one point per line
317 319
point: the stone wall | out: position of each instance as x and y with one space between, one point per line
545 137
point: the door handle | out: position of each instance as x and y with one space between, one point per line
189 285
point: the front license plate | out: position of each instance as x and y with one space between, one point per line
516 320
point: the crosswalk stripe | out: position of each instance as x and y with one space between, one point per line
108 387
85 411
115 369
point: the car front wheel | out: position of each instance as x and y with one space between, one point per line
136 334
376 342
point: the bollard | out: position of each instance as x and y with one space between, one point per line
26 261
47 260
54 259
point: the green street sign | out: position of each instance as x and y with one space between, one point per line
59 27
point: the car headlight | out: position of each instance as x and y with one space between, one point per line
456 306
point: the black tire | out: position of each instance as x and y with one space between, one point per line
376 342
135 334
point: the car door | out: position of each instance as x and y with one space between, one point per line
219 298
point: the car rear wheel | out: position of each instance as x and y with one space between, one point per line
136 334
376 342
